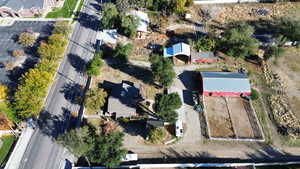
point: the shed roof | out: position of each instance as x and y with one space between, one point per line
225 82
122 99
144 20
108 36
178 49
17 5
202 55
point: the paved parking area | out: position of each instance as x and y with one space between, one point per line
9 37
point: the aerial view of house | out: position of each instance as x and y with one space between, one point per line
149 84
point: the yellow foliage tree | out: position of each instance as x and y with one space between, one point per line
3 92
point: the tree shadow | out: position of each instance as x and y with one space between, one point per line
135 128
52 125
89 21
96 6
77 62
138 72
72 92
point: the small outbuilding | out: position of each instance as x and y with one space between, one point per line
123 100
179 52
225 84
203 57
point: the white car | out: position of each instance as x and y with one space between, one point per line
179 128
130 157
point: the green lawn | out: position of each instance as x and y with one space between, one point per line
7 143
65 12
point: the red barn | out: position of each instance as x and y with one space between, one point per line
225 84
203 57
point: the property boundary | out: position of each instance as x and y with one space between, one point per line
184 165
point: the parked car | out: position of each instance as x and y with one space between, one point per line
179 128
130 157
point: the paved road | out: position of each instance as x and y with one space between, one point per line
43 152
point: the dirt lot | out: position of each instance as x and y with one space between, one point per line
231 117
288 68
239 117
220 124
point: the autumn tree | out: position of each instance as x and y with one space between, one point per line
95 99
62 27
3 92
30 94
18 52
27 39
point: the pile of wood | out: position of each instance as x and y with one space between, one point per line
285 118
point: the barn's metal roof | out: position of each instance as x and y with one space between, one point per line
225 82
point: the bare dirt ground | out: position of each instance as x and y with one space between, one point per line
219 120
239 117
288 68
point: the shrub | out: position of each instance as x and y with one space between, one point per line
27 39
205 44
122 52
93 66
274 51
157 135
254 94
95 99
18 52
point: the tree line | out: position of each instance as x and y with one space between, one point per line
33 87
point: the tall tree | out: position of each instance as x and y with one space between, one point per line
78 141
108 150
162 70
95 99
110 16
165 106
129 24
289 28
238 41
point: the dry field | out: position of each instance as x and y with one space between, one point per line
288 68
231 117
130 73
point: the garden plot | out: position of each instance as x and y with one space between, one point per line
231 118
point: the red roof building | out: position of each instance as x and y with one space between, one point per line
225 84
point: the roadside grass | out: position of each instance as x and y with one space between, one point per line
79 9
65 12
8 141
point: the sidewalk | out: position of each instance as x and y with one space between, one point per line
19 149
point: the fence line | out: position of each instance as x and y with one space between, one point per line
227 1
184 165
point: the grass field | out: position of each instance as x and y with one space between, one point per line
7 143
65 12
